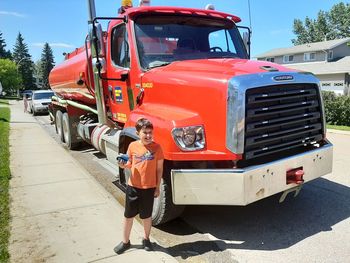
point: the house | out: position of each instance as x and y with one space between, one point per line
328 60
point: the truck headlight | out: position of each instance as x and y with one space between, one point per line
189 138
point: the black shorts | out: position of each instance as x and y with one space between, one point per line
139 201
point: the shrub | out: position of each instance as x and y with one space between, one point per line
337 108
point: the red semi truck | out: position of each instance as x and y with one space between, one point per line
233 130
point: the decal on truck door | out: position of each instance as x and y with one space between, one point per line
118 94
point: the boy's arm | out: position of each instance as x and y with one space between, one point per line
124 165
159 176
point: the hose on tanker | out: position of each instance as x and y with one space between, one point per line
85 95
75 104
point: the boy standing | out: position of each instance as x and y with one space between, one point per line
146 163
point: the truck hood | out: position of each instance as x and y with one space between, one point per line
194 92
226 68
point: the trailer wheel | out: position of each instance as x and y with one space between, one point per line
164 209
68 132
58 125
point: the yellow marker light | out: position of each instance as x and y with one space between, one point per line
126 2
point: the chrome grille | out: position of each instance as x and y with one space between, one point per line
281 118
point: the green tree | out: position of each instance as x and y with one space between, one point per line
10 79
46 65
3 52
24 63
38 74
333 24
300 31
339 18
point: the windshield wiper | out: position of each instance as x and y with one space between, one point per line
156 64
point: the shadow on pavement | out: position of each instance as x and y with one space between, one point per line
267 224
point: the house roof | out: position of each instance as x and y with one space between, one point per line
310 47
323 67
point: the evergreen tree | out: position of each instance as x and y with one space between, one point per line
46 65
334 24
24 63
339 18
3 52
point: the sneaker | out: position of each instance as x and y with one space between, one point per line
147 245
122 247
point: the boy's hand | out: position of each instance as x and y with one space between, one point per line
156 192
122 160
121 163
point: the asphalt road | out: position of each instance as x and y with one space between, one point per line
313 227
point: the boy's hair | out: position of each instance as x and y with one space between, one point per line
143 123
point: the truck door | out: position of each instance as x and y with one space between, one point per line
120 96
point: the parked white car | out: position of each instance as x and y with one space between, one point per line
40 101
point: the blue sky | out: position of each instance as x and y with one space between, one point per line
63 23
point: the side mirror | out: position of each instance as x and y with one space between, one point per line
246 35
246 39
100 43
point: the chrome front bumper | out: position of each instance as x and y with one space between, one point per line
41 108
245 186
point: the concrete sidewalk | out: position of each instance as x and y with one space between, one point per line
59 212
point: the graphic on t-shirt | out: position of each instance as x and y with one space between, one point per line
147 156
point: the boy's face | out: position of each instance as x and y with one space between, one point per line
146 135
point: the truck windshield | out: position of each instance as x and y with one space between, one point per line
167 38
43 95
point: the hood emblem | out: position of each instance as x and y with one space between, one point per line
283 78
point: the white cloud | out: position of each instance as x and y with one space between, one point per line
53 45
7 13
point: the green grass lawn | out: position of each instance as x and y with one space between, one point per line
341 128
3 102
4 182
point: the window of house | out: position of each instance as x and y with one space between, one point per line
330 54
309 56
288 58
120 47
270 59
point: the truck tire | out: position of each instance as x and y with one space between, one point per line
68 133
58 125
164 209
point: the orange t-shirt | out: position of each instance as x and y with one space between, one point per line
144 164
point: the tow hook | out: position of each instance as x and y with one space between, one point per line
295 176
296 191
